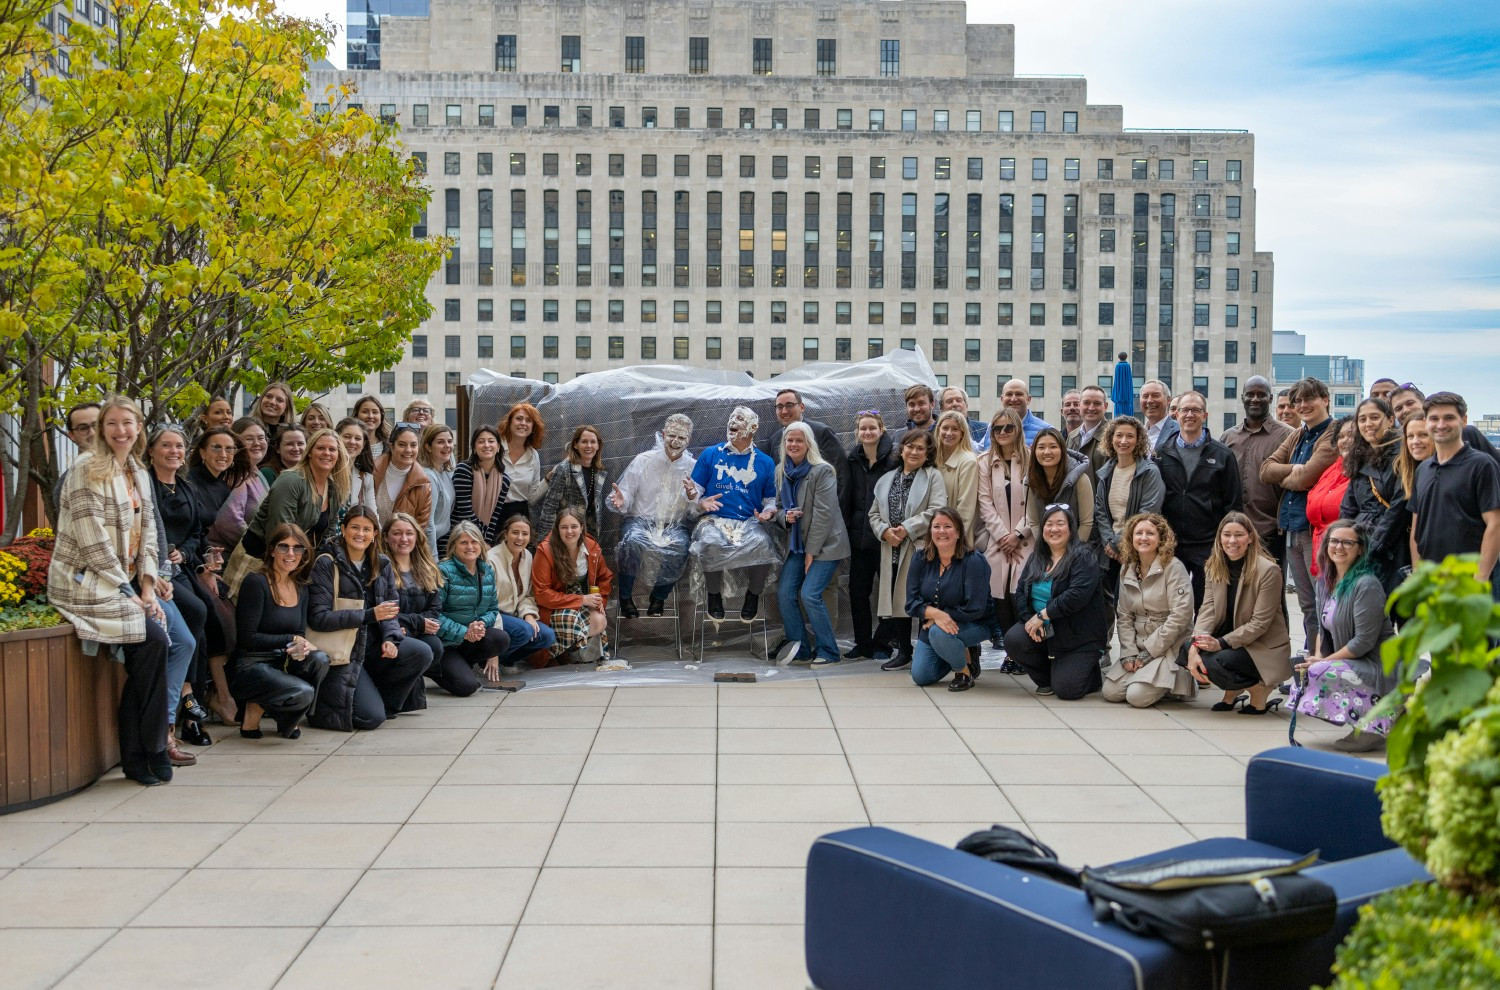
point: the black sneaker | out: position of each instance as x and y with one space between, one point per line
628 609
656 607
715 605
1009 666
751 608
858 652
898 660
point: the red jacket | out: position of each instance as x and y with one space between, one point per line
547 585
1323 501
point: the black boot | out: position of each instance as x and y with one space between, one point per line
715 605
751 607
657 607
628 609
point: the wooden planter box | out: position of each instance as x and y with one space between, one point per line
58 732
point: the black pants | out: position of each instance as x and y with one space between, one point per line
1110 576
1002 617
195 616
864 568
1193 557
755 579
143 701
452 666
384 683
1071 675
1230 670
285 694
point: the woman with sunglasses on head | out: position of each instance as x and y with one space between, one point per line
869 458
288 447
1375 498
1153 618
419 585
1002 512
218 411
436 459
310 495
227 488
1240 640
356 442
1346 676
277 671
103 579
947 593
480 485
1063 619
901 509
354 587
579 482
400 483
371 414
275 408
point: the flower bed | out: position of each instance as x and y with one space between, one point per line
23 583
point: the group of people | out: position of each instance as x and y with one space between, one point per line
307 569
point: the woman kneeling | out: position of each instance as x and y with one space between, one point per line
276 670
571 583
1064 620
948 592
470 621
1154 617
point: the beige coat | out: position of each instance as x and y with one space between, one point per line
1259 626
961 477
1000 516
1153 619
927 495
518 601
90 556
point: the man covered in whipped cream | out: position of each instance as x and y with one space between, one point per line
653 495
734 486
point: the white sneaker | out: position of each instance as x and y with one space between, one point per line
788 653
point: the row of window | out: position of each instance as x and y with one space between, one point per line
762 55
583 311
937 348
812 168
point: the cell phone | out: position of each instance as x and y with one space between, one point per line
171 549
1047 630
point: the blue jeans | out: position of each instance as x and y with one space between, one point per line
179 657
522 643
805 589
942 653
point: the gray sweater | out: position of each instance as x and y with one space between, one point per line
1359 623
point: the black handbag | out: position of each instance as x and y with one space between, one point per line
1213 904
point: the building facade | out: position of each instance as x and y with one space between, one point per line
758 184
1344 376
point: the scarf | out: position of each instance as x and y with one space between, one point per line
489 491
791 480
895 506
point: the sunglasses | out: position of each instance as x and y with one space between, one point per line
868 412
1008 428
293 549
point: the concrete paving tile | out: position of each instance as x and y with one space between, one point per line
657 740
918 768
621 896
561 698
476 844
620 957
85 806
420 742
37 958
778 844
641 803
382 959
759 896
76 898
292 846
1028 717
1037 742
759 957
1188 768
241 769
1100 803
528 742
790 717
789 803
539 768
20 841
923 716
772 741
444 717
316 802
351 766
1144 742
656 695
938 802
439 897
933 742
704 716
244 958
634 844
273 898
545 717
216 803
648 768
747 768
484 803
1080 770
137 844
1200 802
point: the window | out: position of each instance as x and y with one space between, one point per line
505 53
909 167
713 311
518 115
976 168
648 166
679 348
648 116
828 57
387 113
908 314
843 120
1006 121
485 163
648 348
747 311
635 53
715 166
877 167
778 118
1004 351
419 115
778 348
812 120
485 345
451 310
713 348
616 165
942 168
747 118
387 383
1202 241
809 348
1231 315
908 120
1007 169
1200 170
971 314
747 348
1200 350
1232 207
517 163
1200 205
812 167
1107 168
1166 168
846 167
1200 384
1038 314
585 117
760 56
1070 169
1039 168
890 57
1138 168
697 56
616 348
1200 319
617 311
1070 121
1106 276
1005 315
1232 170
518 311
419 345
450 163
583 346
1038 349
518 346
1232 242
1038 121
1069 319
940 120
1106 314
875 314
714 119
451 382
843 349
1231 352
648 310
1232 279
1037 386
877 120
939 348
747 167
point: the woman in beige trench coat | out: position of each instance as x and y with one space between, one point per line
1154 616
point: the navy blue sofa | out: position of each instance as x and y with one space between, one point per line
886 910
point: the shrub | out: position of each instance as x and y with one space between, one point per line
1422 938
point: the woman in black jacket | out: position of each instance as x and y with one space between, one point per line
276 670
1376 498
948 593
868 460
418 589
383 665
1064 620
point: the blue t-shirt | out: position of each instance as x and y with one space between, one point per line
745 481
1041 594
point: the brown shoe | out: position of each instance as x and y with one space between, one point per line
179 757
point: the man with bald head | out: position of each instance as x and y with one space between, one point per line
1017 395
1255 438
1156 401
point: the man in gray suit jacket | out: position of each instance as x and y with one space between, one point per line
1088 439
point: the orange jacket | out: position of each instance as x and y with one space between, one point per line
547 586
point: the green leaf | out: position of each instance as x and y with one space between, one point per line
1398 743
1475 613
1439 639
1453 691
1387 707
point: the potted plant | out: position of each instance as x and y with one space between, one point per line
23 583
1441 798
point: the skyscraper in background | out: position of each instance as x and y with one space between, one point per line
363 38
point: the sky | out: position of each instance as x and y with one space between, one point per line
1377 129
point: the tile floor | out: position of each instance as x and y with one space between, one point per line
571 837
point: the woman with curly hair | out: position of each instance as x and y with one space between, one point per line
1154 617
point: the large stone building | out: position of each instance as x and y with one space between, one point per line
755 184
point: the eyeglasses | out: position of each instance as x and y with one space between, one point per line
787 405
293 549
1333 542
82 428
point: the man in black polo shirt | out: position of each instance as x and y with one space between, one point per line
1456 502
